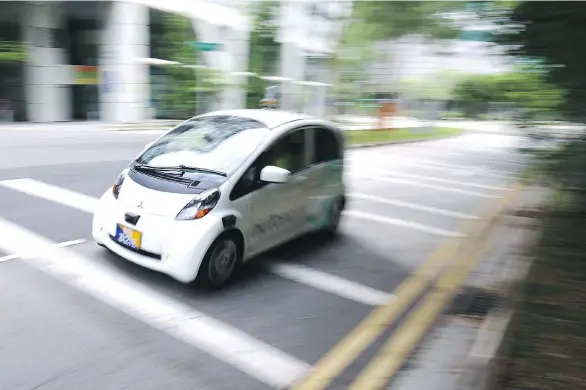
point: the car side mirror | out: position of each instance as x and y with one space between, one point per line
273 174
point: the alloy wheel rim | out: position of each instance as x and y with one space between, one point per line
223 261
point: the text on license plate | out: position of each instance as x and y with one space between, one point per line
128 237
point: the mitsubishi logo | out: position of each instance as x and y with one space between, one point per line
140 205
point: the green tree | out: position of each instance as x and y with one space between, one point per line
440 86
188 78
373 21
476 93
524 89
547 34
393 19
264 49
13 51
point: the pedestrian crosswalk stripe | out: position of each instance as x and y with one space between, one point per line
330 283
307 276
259 360
53 193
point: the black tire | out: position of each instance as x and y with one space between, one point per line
335 214
219 263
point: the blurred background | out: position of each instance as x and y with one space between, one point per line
506 67
137 61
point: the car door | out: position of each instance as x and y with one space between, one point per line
277 211
325 175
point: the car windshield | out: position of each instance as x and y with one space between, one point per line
220 143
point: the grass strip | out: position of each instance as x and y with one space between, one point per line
358 137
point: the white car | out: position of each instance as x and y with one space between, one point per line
223 187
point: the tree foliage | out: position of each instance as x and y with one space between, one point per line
525 90
548 34
375 21
439 86
264 49
393 19
187 78
13 51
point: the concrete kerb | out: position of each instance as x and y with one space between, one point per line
484 364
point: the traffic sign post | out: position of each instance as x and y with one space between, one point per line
205 47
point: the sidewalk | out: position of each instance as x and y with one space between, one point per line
460 352
88 125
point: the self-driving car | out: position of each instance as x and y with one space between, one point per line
222 187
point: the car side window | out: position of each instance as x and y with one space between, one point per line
326 146
287 153
250 180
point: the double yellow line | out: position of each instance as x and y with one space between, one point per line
461 255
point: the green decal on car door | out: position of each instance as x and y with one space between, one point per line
320 217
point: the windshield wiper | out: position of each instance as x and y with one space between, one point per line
145 167
196 169
179 168
152 168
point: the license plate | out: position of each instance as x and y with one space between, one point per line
128 237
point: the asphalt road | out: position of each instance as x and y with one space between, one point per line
80 317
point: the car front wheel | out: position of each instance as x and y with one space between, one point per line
219 263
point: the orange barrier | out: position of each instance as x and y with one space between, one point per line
386 110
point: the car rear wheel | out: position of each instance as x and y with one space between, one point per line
335 214
219 263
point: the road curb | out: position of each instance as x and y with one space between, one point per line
484 365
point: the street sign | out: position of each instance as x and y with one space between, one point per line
478 5
205 46
476 35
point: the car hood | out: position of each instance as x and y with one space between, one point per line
151 201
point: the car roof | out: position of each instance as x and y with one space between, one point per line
271 118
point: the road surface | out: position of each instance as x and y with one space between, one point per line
79 317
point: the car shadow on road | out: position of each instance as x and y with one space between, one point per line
342 255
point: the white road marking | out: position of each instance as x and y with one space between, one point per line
87 203
493 172
331 283
465 149
468 156
414 206
402 223
437 165
437 179
259 360
58 245
424 185
53 193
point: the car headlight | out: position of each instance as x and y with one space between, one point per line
118 184
200 206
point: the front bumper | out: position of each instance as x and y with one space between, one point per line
175 248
